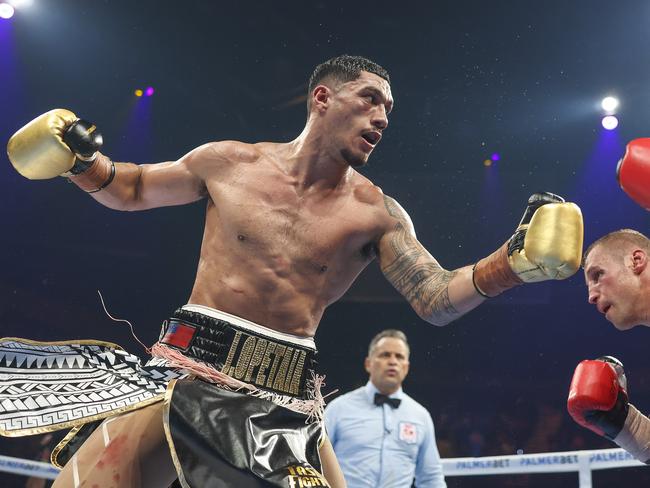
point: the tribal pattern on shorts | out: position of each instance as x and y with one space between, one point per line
47 386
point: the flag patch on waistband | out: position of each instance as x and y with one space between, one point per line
179 335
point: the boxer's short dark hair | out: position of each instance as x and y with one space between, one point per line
342 69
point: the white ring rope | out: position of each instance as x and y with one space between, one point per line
28 468
582 462
545 462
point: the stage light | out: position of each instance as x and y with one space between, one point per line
609 104
149 91
138 92
487 163
6 11
495 157
610 122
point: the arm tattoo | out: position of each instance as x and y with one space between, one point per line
414 273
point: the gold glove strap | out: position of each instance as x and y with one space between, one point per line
493 275
97 177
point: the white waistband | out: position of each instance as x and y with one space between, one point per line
251 326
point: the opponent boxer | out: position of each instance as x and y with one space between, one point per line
618 281
289 226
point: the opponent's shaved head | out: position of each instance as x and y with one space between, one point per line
618 241
342 69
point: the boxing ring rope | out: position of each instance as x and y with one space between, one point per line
584 462
26 467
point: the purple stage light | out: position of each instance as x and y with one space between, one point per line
149 91
6 11
495 157
610 122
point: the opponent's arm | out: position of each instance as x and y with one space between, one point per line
436 294
59 143
598 400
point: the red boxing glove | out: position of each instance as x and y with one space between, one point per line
597 396
633 171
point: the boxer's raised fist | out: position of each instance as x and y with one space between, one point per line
547 245
598 396
55 143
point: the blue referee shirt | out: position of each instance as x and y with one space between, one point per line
378 446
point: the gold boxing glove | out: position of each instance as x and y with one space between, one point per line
547 245
56 143
37 150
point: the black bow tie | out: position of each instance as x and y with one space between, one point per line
380 399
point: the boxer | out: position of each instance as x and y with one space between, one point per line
618 282
615 265
288 228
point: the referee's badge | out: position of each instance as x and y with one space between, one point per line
408 432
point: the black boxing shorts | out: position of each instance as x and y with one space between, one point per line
265 434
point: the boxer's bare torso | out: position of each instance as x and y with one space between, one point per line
279 245
276 252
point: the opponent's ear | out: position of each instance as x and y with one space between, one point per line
366 365
639 261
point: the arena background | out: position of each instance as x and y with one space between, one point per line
470 79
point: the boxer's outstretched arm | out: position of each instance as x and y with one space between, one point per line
145 186
436 294
58 143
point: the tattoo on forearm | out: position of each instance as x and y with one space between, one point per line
414 273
